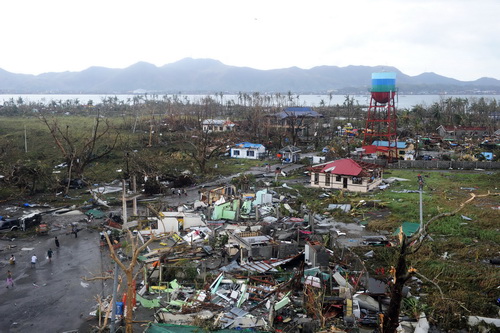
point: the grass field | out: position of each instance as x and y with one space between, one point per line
456 258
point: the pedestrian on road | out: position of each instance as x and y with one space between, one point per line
9 279
57 242
34 259
179 192
75 231
12 260
49 255
185 192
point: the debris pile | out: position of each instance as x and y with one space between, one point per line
234 261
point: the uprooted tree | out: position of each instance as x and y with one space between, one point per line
78 148
134 250
401 273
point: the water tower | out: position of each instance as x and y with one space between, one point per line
381 120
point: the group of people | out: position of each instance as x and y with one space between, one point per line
34 261
50 253
179 192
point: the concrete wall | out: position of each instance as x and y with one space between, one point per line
261 252
441 165
279 251
285 250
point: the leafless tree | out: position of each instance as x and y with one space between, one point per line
203 146
80 149
135 249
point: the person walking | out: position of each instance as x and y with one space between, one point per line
9 279
12 260
34 259
57 242
49 255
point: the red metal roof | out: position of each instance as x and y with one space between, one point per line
372 149
345 166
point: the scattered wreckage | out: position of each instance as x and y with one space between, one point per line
233 262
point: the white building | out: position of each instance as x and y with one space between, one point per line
217 125
248 150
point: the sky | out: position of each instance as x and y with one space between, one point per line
454 38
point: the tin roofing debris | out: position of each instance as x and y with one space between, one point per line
258 266
251 260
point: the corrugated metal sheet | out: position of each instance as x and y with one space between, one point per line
258 266
230 316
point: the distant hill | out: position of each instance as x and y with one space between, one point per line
199 76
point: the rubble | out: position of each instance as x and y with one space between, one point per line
257 260
234 262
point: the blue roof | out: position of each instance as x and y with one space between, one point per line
399 144
248 145
299 111
299 108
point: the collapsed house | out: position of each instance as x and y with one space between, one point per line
239 263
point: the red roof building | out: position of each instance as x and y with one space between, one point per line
346 174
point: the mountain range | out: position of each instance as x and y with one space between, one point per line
200 76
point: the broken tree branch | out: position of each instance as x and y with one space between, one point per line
441 292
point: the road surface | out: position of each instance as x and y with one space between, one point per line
53 296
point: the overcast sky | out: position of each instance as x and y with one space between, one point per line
454 38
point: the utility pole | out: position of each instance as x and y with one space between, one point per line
113 313
420 189
124 202
25 140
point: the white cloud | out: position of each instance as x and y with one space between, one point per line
457 38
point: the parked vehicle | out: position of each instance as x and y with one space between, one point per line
9 224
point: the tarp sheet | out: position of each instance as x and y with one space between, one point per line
154 303
98 214
409 228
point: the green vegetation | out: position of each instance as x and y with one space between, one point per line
456 257
162 138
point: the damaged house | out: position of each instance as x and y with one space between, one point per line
253 151
168 222
217 125
346 174
256 246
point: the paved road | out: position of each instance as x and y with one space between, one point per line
52 297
